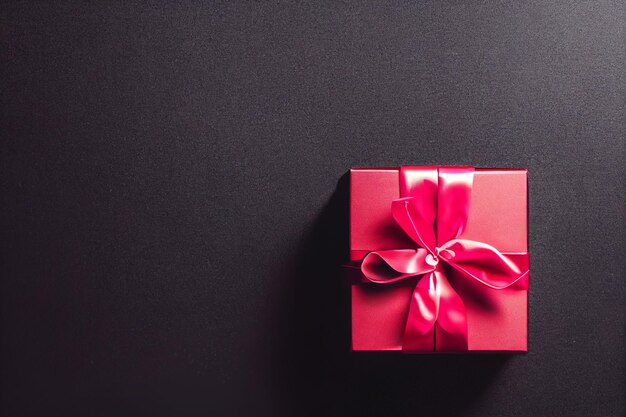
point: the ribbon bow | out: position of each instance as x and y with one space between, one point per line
433 211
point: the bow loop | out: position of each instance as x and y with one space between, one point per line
483 262
392 265
414 222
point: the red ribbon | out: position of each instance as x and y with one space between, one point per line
433 211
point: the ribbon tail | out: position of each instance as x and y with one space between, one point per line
451 327
419 333
437 320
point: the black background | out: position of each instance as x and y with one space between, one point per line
173 209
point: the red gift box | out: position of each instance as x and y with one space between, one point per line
440 261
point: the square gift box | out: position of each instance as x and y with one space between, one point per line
439 259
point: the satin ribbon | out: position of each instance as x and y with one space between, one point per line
433 211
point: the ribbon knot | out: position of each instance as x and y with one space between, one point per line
432 260
433 211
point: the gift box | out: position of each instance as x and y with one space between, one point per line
439 259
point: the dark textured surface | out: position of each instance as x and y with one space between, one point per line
171 223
